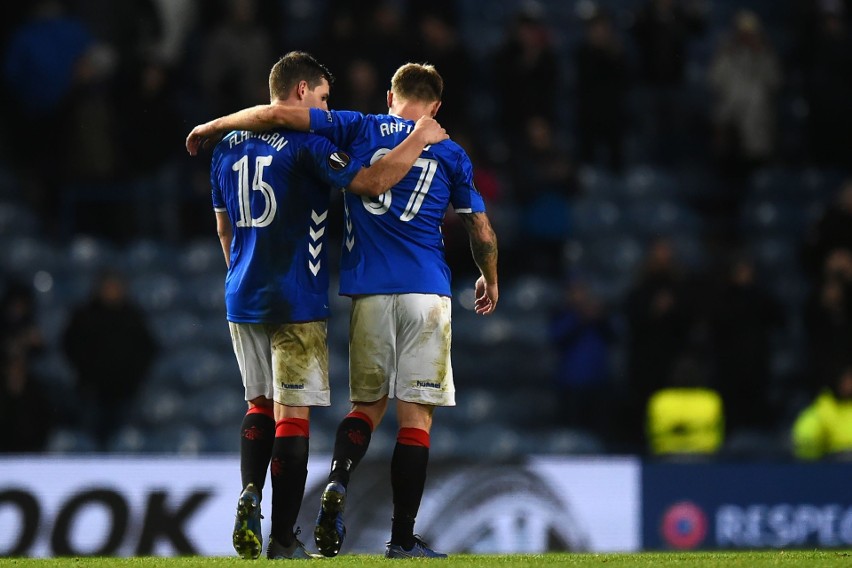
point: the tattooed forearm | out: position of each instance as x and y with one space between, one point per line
483 243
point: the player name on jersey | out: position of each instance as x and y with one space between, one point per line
274 139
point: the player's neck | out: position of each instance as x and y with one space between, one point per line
409 111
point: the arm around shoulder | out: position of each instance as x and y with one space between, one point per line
392 167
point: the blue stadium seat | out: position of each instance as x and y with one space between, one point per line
764 217
175 438
205 292
218 406
564 441
17 220
91 254
176 328
651 218
145 255
615 255
155 291
646 182
28 255
202 257
71 441
592 218
492 441
600 184
128 440
157 404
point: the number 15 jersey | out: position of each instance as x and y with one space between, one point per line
393 244
276 188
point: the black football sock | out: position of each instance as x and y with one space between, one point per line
289 470
350 446
256 436
408 479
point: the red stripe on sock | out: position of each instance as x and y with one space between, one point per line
287 427
413 437
265 410
361 416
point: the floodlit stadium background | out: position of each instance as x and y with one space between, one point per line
609 143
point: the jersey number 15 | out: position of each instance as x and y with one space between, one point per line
241 166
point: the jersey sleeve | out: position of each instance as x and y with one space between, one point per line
332 166
464 196
339 126
216 189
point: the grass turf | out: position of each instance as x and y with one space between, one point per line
804 558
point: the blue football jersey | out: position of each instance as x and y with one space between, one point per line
276 187
393 244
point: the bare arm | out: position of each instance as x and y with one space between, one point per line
226 234
483 247
392 167
257 118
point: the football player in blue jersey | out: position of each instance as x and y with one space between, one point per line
393 267
271 194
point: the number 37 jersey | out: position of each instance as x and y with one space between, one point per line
276 188
393 244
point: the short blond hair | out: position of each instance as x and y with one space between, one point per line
417 82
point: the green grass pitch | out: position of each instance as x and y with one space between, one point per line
809 559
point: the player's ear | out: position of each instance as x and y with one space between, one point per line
302 89
390 99
433 108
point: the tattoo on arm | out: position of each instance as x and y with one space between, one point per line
483 243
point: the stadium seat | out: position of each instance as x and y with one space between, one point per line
17 220
202 257
651 218
155 291
146 255
177 328
27 255
71 441
645 182
599 184
218 406
91 254
595 217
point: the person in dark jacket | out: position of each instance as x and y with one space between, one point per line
109 344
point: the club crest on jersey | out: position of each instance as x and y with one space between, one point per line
338 160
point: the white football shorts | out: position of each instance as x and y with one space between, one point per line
399 345
285 362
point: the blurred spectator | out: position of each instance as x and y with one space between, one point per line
526 73
745 77
236 59
581 332
147 115
742 317
111 347
662 30
828 318
832 231
440 45
543 181
25 422
53 71
826 54
602 82
660 316
19 330
824 429
361 89
686 418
